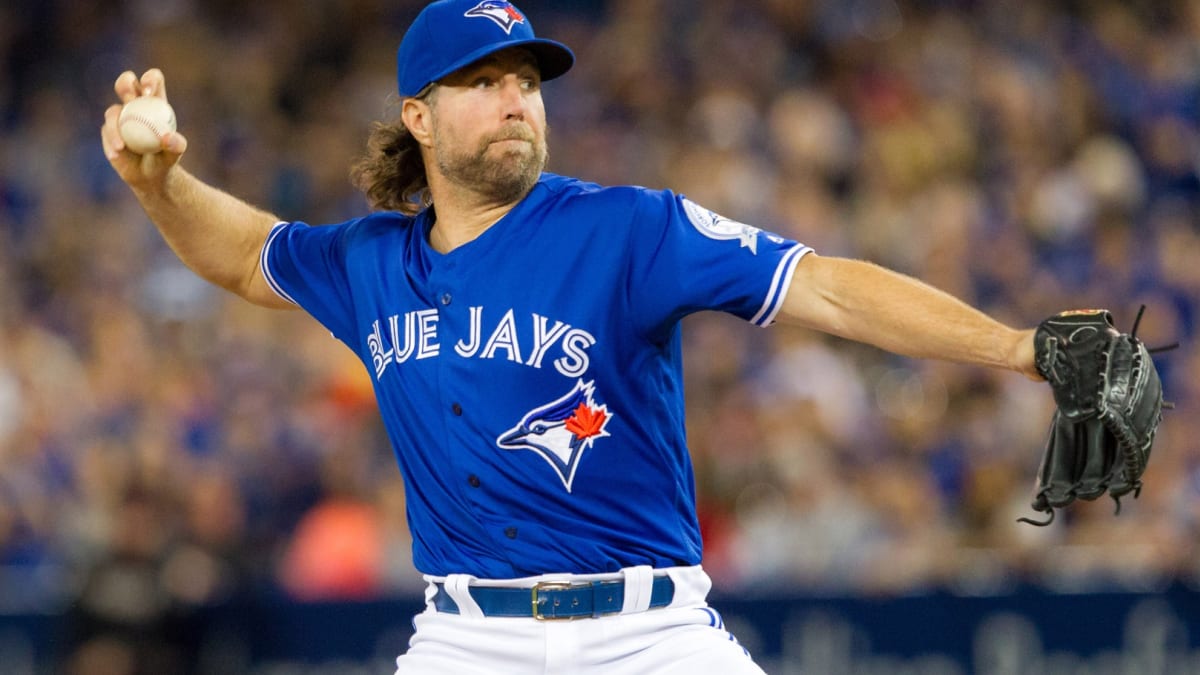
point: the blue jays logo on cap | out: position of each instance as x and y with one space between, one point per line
452 34
561 430
503 13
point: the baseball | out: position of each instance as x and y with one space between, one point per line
143 122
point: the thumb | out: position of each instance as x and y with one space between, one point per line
173 146
174 142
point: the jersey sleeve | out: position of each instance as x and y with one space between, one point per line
306 266
688 258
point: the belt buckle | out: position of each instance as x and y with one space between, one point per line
549 586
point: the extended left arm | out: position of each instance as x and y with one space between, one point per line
867 303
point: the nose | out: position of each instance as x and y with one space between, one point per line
513 98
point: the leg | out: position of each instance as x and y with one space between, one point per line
446 643
685 641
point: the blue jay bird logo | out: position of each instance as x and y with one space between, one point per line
561 430
503 13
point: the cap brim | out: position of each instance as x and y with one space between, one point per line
554 58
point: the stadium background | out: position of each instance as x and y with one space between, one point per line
185 479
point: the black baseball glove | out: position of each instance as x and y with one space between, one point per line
1109 404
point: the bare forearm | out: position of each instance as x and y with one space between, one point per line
216 235
867 303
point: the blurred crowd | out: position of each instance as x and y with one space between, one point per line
164 444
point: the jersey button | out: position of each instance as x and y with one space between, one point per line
510 532
446 298
456 409
473 480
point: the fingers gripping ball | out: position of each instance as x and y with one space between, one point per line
143 123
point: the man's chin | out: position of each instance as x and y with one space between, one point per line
505 174
510 154
509 181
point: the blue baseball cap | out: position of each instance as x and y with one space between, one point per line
450 34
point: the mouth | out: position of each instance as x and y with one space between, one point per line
511 148
513 139
516 132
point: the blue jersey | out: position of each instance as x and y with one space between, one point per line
531 380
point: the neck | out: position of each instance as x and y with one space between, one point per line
462 215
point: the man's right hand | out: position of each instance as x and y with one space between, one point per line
141 172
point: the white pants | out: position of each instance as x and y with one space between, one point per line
685 638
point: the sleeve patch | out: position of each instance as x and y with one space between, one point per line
718 227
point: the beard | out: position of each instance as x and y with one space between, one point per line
501 174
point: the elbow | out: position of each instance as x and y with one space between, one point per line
254 289
813 300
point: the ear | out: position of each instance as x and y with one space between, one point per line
417 115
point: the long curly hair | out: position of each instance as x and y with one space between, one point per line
392 172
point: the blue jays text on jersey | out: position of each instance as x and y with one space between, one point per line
415 336
531 380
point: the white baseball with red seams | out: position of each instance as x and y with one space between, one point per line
143 123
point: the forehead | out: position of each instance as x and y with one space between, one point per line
511 59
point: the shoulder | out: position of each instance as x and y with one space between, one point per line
378 224
372 229
361 236
375 223
573 192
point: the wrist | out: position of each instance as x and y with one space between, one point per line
1021 355
157 187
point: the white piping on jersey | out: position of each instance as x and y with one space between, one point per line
262 263
779 285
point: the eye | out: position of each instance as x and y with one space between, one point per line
481 83
538 428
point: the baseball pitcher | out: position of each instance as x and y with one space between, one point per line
522 330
